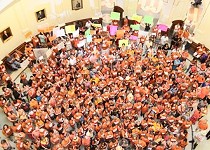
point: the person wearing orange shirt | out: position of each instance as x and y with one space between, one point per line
5 145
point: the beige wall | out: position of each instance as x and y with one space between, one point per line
20 17
179 10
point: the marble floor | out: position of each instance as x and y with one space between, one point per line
204 145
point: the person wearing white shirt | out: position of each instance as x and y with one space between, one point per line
68 44
123 47
88 24
164 40
89 133
80 53
148 43
176 28
63 55
72 60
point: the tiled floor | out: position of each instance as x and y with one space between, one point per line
204 145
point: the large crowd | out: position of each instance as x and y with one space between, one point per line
106 96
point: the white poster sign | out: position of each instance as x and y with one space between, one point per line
40 53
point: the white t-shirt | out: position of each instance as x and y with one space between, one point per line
68 45
164 40
88 24
72 61
148 44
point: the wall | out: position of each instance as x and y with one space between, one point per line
130 7
179 10
21 18
166 12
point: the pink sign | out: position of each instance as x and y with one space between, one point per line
132 37
113 29
162 27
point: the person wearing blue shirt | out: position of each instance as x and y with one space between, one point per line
12 63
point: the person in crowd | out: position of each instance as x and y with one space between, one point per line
7 93
176 29
72 60
12 63
174 41
28 48
19 56
147 27
88 24
7 131
48 41
42 39
126 21
164 39
35 42
2 69
147 45
201 49
204 57
2 72
23 79
5 145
